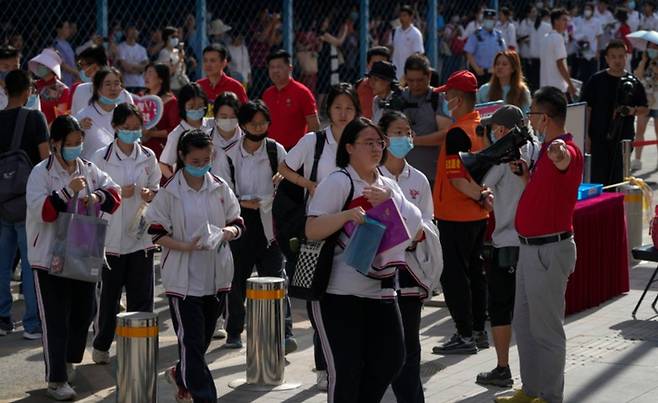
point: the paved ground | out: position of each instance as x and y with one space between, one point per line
611 357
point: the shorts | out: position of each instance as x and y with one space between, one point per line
501 283
653 113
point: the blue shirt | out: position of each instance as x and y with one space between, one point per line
68 57
485 47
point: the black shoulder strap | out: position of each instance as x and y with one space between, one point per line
272 155
434 100
320 138
19 128
479 35
350 195
231 169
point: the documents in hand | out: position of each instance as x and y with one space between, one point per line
364 242
388 214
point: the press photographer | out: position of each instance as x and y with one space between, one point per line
427 113
614 97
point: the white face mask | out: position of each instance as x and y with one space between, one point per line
226 125
587 13
452 105
173 42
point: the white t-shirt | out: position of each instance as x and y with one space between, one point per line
553 49
536 38
222 146
240 61
509 34
406 42
304 151
525 28
633 20
133 54
83 93
195 209
168 155
253 172
588 30
415 188
649 23
100 133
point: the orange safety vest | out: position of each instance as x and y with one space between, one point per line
449 203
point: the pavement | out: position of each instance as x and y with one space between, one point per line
611 357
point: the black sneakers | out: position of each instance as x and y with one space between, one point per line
481 339
499 376
456 345
6 326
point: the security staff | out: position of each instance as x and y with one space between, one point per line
483 45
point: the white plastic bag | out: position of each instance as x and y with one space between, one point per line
138 225
210 236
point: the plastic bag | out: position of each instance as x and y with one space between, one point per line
138 225
210 236
363 245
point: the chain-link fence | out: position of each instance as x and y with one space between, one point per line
327 37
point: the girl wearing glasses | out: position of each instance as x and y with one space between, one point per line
357 369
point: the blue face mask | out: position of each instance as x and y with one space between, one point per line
488 25
400 146
42 71
652 53
630 5
195 114
84 77
109 101
197 171
71 153
129 136
32 102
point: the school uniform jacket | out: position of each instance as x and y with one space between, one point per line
48 194
166 216
145 174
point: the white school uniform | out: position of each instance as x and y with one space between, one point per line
180 210
330 197
100 134
222 146
83 93
47 177
168 155
253 179
140 169
304 152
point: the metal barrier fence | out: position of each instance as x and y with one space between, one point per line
317 32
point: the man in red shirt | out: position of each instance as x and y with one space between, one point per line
291 104
547 255
363 88
215 59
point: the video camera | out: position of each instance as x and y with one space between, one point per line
623 104
396 101
505 150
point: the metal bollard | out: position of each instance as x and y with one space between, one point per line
265 330
587 169
634 214
626 150
137 357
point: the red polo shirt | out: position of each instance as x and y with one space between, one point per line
547 203
289 108
224 84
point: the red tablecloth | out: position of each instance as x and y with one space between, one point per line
602 252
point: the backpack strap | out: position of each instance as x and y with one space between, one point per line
320 138
272 155
19 128
351 194
434 100
231 169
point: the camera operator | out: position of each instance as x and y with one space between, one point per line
426 111
383 80
614 97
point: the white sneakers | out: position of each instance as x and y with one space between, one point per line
636 165
100 357
60 391
70 372
322 381
220 333
31 336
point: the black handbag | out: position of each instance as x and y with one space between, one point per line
314 262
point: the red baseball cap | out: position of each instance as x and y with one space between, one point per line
462 80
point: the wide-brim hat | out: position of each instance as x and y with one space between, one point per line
49 58
217 27
384 70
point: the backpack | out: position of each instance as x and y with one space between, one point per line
272 156
15 168
289 206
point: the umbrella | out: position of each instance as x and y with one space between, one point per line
639 39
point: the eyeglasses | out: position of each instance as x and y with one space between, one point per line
258 124
374 145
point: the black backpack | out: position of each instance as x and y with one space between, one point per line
15 168
289 206
272 156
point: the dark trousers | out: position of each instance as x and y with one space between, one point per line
248 251
607 166
363 343
194 320
501 282
134 271
408 387
532 73
318 354
462 280
66 308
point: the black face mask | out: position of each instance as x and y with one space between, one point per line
255 137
